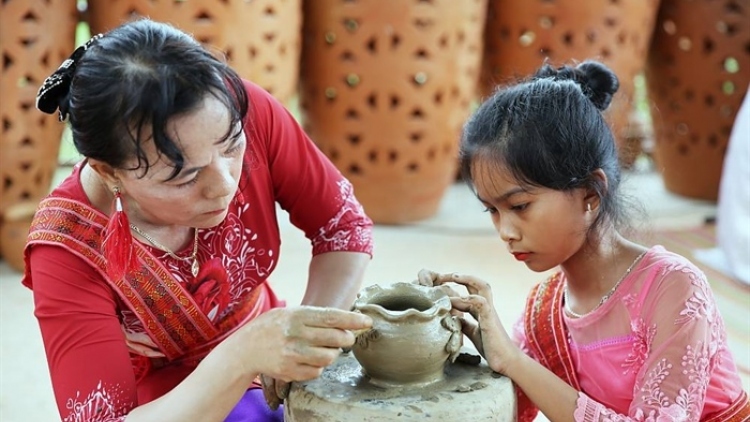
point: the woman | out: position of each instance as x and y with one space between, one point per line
149 263
621 332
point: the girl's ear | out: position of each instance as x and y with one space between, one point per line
597 189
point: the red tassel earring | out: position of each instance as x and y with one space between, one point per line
118 241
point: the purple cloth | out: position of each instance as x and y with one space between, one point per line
252 407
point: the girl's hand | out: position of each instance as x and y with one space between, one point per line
485 331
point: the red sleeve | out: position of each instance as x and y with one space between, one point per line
89 364
319 199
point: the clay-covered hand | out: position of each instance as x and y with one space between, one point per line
485 331
430 279
275 391
296 344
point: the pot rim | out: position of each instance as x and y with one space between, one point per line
441 302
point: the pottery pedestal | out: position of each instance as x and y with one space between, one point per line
344 394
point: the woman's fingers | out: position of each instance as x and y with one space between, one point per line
333 318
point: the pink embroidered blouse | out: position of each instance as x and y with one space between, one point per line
655 351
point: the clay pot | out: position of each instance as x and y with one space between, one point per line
14 231
697 75
260 38
521 35
35 37
412 337
385 87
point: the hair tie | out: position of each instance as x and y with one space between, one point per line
57 85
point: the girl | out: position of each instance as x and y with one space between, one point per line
622 332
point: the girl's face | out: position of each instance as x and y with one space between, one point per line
542 227
200 194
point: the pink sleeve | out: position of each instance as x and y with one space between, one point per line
89 364
677 338
526 410
319 199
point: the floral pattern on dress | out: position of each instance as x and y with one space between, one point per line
643 337
98 406
338 234
674 385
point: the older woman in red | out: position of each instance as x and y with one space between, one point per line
149 263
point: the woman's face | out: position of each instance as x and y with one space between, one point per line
200 194
542 227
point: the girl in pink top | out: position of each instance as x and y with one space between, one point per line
621 332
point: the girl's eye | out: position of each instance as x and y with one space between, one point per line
519 207
491 210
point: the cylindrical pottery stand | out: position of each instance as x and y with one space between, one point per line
385 88
35 37
468 392
521 35
697 75
260 38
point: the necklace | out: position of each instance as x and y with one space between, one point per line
193 258
606 296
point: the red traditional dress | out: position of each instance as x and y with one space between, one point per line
655 351
112 345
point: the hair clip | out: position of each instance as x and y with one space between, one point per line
58 83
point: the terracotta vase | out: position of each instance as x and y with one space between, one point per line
35 37
385 88
413 334
521 35
260 38
697 76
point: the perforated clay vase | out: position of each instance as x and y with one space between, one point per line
385 88
413 334
521 35
35 37
260 38
698 73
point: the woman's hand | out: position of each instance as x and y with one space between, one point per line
485 331
296 344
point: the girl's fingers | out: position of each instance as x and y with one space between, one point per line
474 285
431 278
477 306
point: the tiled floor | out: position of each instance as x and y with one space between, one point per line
459 238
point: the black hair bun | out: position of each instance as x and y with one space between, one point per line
597 81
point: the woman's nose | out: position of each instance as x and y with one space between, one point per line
220 185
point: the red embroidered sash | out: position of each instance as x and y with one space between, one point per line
167 311
739 411
547 337
546 332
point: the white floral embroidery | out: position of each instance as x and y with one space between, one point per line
98 406
336 235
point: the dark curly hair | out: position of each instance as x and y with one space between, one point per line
133 80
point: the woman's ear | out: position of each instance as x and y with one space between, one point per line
105 172
598 187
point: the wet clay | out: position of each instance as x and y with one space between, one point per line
408 366
412 337
343 393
